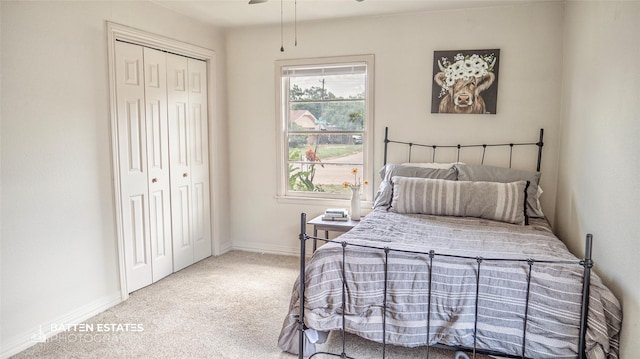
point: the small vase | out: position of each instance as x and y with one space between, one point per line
355 203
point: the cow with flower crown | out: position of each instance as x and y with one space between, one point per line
462 82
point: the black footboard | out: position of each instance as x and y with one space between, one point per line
587 263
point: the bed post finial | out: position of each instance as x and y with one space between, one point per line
386 141
540 144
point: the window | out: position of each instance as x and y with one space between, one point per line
325 116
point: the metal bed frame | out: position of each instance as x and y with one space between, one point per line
586 263
459 147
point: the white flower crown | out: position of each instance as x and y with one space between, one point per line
464 67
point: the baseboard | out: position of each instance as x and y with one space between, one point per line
225 247
261 247
43 332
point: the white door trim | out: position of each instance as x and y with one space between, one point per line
117 32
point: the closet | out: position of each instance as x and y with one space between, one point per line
162 141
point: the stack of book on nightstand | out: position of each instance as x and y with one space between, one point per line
335 214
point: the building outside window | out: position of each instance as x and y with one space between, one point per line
325 117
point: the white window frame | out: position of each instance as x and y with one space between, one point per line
282 108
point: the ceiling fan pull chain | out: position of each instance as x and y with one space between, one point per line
281 27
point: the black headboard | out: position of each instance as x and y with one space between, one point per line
484 146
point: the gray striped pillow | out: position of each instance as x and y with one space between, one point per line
490 200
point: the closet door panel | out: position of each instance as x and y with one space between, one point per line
155 64
199 134
182 212
139 255
132 156
180 220
179 160
161 246
179 133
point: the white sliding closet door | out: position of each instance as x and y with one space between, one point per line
198 124
155 65
178 97
163 162
189 160
132 151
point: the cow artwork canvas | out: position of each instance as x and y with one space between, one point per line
465 81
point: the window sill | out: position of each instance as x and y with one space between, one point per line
322 202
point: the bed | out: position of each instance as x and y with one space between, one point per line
455 256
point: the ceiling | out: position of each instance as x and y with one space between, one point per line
235 13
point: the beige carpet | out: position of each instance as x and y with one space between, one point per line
231 306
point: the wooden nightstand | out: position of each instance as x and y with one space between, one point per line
326 226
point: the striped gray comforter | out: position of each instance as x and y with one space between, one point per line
554 303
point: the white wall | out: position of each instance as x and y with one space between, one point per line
598 188
59 245
530 40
